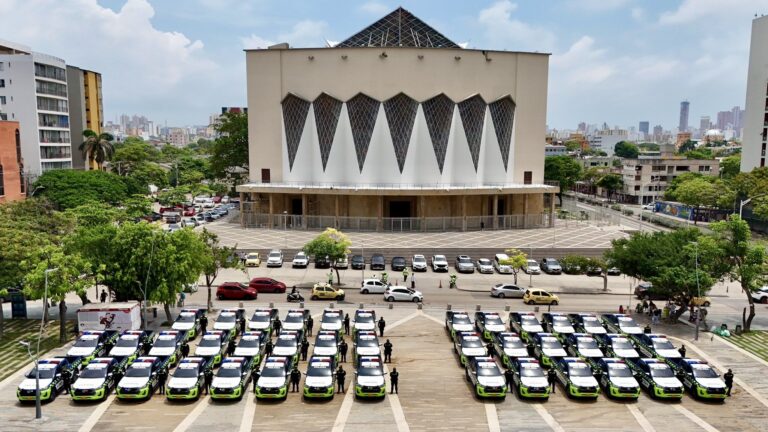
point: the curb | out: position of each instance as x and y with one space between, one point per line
599 292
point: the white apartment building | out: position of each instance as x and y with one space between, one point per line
755 133
33 91
646 179
606 140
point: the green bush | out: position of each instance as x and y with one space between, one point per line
616 207
628 212
68 188
574 264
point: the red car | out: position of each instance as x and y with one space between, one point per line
189 211
263 284
236 291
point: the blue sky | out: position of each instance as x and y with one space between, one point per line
618 61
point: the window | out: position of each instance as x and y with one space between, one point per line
438 112
47 166
52 120
503 116
3 116
327 110
55 89
50 104
295 111
472 112
48 71
2 182
362 111
2 83
48 136
401 113
528 177
2 66
265 175
2 100
55 152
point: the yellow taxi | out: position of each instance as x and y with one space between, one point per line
252 259
701 301
538 296
325 291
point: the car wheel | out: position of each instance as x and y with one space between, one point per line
220 297
365 291
501 295
646 297
314 297
415 300
554 302
706 304
390 299
764 300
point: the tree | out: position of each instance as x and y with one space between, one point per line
150 173
229 155
730 166
592 175
697 193
564 170
516 260
131 154
745 262
97 147
699 154
72 188
218 257
172 197
64 275
626 149
611 183
686 146
572 145
331 243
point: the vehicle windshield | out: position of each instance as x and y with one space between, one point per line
185 318
550 344
325 342
529 321
226 318
294 318
461 319
439 258
493 320
627 322
357 259
513 343
364 318
465 260
210 342
300 256
704 372
488 369
370 371
274 255
377 258
579 370
532 263
127 343
620 371
138 372
45 373
252 256
164 343
368 342
398 260
484 261
531 372
622 344
273 371
474 342
260 317
591 322
249 343
86 343
320 369
331 318
586 344
94 372
661 372
419 259
185 373
286 342
560 321
663 344
229 372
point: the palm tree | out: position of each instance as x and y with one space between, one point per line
97 147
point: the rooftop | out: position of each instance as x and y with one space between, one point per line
400 28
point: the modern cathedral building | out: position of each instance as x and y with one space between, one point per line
396 128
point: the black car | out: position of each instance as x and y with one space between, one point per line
398 263
322 262
358 262
378 262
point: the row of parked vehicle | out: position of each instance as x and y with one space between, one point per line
586 354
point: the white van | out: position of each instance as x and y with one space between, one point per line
501 268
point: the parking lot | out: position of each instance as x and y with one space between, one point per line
433 395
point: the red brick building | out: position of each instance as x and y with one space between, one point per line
11 164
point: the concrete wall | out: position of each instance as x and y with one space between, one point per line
757 97
9 162
77 123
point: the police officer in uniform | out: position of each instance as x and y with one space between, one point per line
341 374
66 378
204 323
268 348
295 378
508 375
310 325
382 324
304 349
728 377
551 379
208 375
393 377
162 376
346 324
277 325
388 352
185 349
343 351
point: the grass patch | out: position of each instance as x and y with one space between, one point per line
13 355
755 342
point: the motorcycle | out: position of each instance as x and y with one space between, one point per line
295 297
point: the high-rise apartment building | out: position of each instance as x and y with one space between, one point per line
85 109
33 87
644 127
725 120
755 120
684 107
705 124
658 131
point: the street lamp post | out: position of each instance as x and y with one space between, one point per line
642 201
698 289
146 281
38 407
747 201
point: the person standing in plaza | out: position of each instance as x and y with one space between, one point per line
728 378
394 376
204 324
382 324
278 325
66 379
295 378
551 380
346 324
310 325
268 348
231 346
208 376
304 349
343 350
341 374
682 351
162 377
387 351
255 379
185 349
509 375
103 296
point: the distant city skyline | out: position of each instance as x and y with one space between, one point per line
612 60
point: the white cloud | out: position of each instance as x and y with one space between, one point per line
306 33
375 8
256 42
141 65
597 5
638 14
505 32
693 10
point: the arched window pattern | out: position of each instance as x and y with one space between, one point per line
503 116
327 110
401 113
438 112
472 112
362 111
295 111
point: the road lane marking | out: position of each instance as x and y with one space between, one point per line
641 419
246 424
397 409
548 419
493 417
190 419
92 419
696 419
432 318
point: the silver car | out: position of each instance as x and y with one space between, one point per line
419 263
464 264
484 265
532 267
507 291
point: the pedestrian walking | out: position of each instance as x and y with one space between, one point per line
382 324
304 349
343 350
162 377
647 329
231 346
509 376
656 316
295 378
330 277
310 325
255 379
728 377
651 308
682 351
394 376
208 376
703 318
413 280
621 309
204 324
185 349
242 325
182 297
551 380
268 348
387 351
66 378
346 324
645 307
103 296
672 310
341 374
405 275
278 325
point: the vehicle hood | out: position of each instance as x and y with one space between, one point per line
563 329
209 351
182 383
554 267
222 382
258 325
535 381
588 381
325 351
495 327
364 326
246 352
121 351
292 326
596 330
516 352
182 325
300 260
370 380
88 383
497 381
669 353
368 351
668 382
420 265
631 329
624 381
591 352
80 351
533 328
462 327
273 260
484 267
284 351
131 382
626 353
271 382
316 381
29 384
162 351
556 352
473 351
330 326
224 325
713 383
